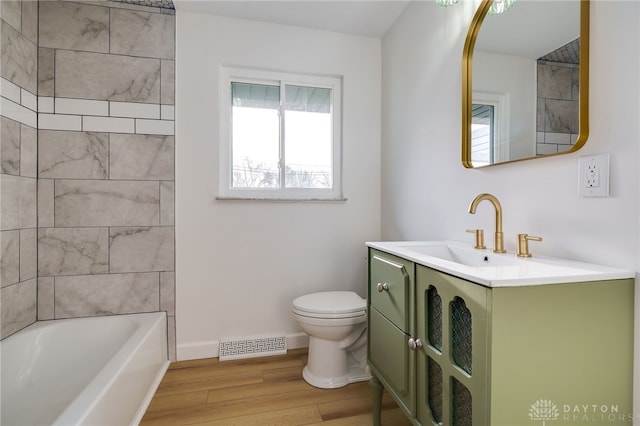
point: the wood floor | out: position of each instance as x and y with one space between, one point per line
260 392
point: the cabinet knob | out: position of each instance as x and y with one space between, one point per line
414 343
383 287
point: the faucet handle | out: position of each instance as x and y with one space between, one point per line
523 244
479 238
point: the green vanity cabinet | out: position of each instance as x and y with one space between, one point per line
466 354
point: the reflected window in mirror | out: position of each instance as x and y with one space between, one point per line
482 134
489 128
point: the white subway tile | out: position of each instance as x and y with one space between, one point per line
547 148
45 104
154 127
167 112
59 122
559 138
29 100
108 124
9 90
18 113
574 138
134 110
81 107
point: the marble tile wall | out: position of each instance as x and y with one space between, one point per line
18 165
86 161
106 152
558 106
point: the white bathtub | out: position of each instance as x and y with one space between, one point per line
88 371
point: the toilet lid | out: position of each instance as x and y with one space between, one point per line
334 302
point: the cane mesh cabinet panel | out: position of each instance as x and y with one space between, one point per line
460 355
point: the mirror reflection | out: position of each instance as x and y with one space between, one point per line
523 94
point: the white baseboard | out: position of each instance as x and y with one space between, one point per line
197 350
297 340
211 348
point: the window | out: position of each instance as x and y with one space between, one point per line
280 135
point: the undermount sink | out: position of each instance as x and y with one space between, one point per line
497 269
464 256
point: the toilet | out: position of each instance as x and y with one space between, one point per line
336 323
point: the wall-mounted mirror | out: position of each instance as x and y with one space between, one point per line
525 81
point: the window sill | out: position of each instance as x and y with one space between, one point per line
279 199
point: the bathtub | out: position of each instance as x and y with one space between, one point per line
83 371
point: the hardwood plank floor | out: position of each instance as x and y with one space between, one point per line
259 392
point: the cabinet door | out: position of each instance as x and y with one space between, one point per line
452 324
389 358
389 282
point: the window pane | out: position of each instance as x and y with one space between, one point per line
255 95
308 137
255 136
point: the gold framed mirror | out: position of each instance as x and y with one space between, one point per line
525 82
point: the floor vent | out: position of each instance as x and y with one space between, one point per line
250 347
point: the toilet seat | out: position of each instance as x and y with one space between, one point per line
330 304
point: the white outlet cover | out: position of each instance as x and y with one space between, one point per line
593 175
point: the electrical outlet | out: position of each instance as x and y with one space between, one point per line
593 174
593 179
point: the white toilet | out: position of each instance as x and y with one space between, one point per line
336 323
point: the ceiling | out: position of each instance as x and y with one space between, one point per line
539 29
371 18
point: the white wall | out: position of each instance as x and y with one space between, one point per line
239 264
425 189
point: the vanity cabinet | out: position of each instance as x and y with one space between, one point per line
453 352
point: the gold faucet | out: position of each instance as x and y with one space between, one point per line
498 239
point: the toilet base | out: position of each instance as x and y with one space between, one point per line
355 373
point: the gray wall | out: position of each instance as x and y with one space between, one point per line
105 237
18 164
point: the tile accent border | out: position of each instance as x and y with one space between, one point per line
105 116
17 103
50 113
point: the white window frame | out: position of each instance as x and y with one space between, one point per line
248 75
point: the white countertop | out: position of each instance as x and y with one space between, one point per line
497 270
